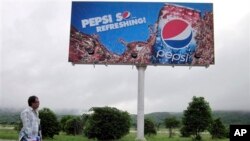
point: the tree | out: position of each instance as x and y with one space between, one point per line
197 117
49 124
84 118
63 121
158 125
184 132
18 125
106 123
218 130
171 123
74 126
149 127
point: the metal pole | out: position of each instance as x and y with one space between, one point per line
140 104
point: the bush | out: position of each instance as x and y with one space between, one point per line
106 123
73 126
184 132
49 124
63 121
18 125
218 130
149 127
197 138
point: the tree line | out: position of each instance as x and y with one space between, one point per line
108 123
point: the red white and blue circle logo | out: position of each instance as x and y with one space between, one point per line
126 14
177 34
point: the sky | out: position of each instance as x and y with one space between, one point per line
34 42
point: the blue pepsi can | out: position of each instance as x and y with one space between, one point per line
178 38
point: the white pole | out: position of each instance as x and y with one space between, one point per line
140 104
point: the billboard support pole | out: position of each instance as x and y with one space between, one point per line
140 104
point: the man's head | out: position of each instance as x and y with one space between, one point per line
33 102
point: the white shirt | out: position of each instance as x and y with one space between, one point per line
31 122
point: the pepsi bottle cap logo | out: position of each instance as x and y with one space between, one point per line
177 33
126 14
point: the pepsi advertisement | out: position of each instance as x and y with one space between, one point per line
141 33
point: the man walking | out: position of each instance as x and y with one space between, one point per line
31 130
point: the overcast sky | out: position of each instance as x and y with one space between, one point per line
34 61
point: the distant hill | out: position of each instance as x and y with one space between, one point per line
12 116
227 117
233 117
9 116
158 117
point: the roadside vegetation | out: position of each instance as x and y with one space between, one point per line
109 123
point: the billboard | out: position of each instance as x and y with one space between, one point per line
141 33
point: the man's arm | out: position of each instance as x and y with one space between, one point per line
26 121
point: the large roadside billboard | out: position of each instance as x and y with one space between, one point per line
141 33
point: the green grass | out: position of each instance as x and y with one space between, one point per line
13 135
8 134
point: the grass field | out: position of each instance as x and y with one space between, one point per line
11 134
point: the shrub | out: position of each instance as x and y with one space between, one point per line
49 124
149 127
73 126
106 123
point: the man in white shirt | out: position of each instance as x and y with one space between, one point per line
31 121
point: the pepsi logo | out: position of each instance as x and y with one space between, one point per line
177 34
126 14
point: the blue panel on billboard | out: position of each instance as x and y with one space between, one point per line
135 33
